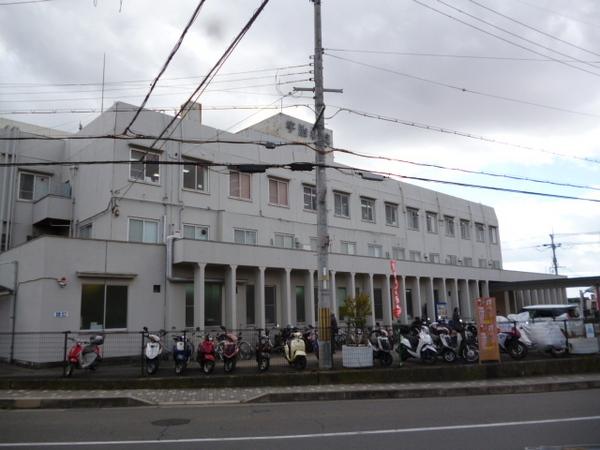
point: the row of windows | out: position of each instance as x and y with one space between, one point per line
196 178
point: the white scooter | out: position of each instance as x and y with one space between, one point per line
419 346
294 349
153 350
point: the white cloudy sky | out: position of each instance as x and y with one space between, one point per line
400 59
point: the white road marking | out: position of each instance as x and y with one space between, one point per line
304 436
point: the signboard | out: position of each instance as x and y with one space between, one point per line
61 314
397 310
487 330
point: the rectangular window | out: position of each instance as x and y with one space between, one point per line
375 250
197 232
479 232
434 258
239 185
310 198
348 248
195 176
213 307
367 208
398 253
278 192
103 306
250 320
449 225
300 310
314 244
493 234
496 264
482 262
270 305
283 240
33 186
465 229
189 306
340 296
247 237
431 221
468 262
414 255
144 166
143 230
452 260
341 203
85 232
412 218
391 214
378 303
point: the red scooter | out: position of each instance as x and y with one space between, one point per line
84 354
206 355
230 350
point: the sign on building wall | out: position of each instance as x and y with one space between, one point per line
61 314
487 330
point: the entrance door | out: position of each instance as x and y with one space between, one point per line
213 304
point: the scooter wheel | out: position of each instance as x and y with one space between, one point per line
449 355
470 354
229 365
517 350
69 370
151 367
428 357
300 363
386 359
263 364
178 368
208 367
558 352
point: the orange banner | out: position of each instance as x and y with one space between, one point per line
396 290
487 330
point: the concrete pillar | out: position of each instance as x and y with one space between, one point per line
309 297
464 298
352 285
259 295
404 315
534 297
417 301
231 317
485 288
430 298
199 281
371 292
507 309
387 302
454 296
286 301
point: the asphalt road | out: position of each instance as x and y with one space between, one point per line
500 422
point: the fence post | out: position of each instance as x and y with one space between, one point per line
142 355
65 362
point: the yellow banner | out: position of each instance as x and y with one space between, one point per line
487 330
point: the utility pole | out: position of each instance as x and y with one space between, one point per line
325 359
553 246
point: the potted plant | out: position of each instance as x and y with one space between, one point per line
357 352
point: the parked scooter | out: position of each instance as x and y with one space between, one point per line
263 350
294 349
231 350
509 342
382 349
415 342
182 352
153 350
84 354
206 355
311 340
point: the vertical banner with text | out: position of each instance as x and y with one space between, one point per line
396 290
487 330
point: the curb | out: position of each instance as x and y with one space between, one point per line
63 403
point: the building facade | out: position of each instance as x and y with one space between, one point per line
186 234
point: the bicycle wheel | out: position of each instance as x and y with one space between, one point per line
245 350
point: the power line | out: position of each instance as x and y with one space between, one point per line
166 64
462 89
533 28
450 16
458 133
25 2
558 13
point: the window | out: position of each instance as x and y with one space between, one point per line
449 225
482 262
247 237
398 253
479 232
452 260
142 230
283 240
32 186
414 255
103 306
367 208
314 244
341 297
310 198
375 250
300 310
270 305
195 177
493 234
278 192
496 264
468 262
465 229
250 319
197 232
412 217
189 306
434 258
431 221
145 167
85 232
378 303
341 202
348 248
213 304
239 185
391 214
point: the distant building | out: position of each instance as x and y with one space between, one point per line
122 246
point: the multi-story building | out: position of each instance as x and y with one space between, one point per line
191 232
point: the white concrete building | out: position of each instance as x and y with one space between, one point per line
122 246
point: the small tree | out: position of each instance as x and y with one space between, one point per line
355 311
